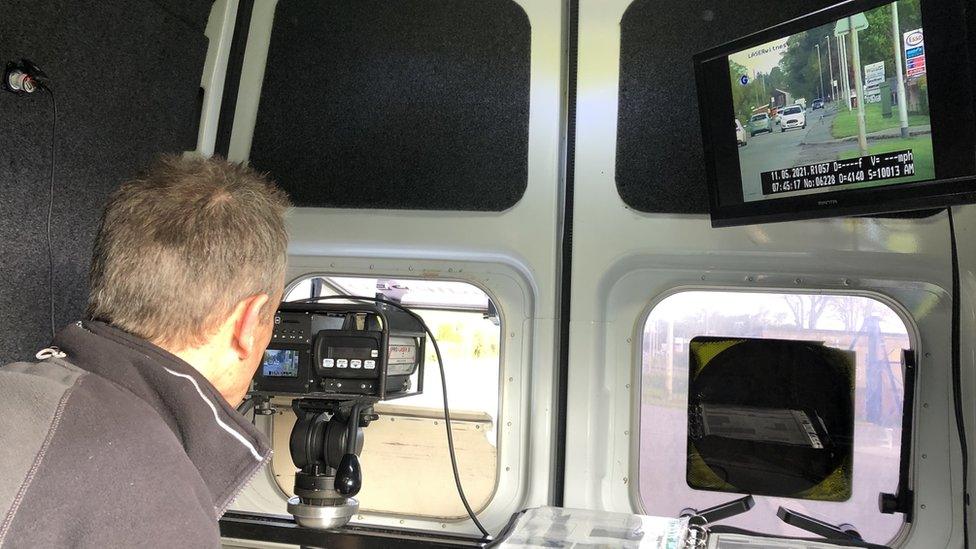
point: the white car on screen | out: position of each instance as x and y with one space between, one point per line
740 133
792 117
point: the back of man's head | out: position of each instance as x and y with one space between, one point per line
180 246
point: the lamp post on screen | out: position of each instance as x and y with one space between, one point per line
756 80
820 65
899 74
845 73
862 140
830 66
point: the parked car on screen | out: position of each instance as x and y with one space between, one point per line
792 117
817 104
740 133
760 123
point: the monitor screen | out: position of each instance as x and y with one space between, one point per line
802 128
280 363
836 113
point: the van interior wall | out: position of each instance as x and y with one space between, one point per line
658 100
126 77
412 105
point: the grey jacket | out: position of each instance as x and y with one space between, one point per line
110 441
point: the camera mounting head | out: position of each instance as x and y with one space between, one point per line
325 444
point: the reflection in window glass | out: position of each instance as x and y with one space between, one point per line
406 466
866 326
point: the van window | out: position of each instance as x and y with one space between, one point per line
861 324
405 461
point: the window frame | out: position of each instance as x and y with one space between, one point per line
514 294
332 287
901 311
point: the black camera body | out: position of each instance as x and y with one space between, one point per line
336 359
342 351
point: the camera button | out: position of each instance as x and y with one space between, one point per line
328 363
342 363
356 364
370 364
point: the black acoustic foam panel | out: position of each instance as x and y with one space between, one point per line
126 75
402 104
660 162
193 13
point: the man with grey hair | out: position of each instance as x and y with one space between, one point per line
124 432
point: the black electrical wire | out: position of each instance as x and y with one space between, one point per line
244 407
249 405
957 376
440 367
50 206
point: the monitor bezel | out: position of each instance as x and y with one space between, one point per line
953 134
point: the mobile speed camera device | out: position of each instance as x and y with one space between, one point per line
864 107
336 360
341 352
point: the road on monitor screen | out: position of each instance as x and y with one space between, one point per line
779 150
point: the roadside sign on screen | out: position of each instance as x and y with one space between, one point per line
874 74
914 45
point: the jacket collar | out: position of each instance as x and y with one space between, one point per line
224 447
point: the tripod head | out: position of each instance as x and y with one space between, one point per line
325 444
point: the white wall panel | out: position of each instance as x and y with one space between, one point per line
623 260
512 254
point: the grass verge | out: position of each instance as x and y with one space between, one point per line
845 124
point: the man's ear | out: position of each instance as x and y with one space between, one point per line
246 328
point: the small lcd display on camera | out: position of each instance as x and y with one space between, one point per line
351 352
280 363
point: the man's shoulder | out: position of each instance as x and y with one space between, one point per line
48 378
99 455
108 432
56 412
106 419
34 396
33 393
44 390
54 409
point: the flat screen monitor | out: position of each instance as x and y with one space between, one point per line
861 108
